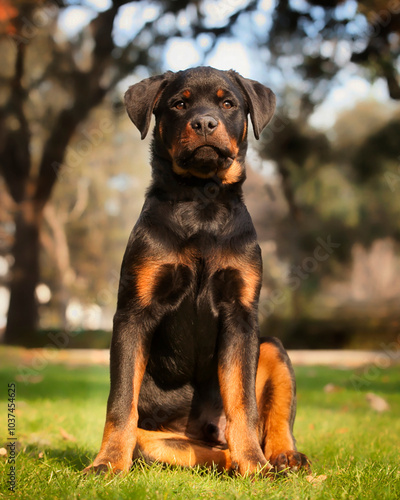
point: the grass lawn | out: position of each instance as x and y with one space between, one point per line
60 415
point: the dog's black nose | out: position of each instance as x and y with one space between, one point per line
204 125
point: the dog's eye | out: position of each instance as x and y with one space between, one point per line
227 104
180 105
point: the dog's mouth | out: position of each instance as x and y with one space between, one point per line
206 159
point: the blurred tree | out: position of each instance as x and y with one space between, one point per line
50 82
31 182
319 38
313 46
310 43
93 207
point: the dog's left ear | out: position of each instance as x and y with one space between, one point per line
260 100
141 98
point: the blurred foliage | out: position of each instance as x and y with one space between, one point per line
337 185
70 192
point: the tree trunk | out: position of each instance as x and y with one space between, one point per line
31 191
23 310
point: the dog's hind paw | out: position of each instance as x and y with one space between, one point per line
290 460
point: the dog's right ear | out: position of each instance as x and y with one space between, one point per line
141 98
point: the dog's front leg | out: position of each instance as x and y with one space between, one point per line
238 355
128 358
149 288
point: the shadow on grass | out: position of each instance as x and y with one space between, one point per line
75 459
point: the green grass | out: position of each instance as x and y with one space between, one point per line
356 448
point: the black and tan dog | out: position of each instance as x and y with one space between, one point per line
190 382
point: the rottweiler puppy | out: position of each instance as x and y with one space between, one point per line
191 384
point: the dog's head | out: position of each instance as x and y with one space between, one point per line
201 119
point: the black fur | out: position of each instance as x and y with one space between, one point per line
195 319
186 317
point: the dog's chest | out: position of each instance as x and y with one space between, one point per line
184 346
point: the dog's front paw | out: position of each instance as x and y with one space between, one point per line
96 469
106 467
290 460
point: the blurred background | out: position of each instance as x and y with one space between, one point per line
323 182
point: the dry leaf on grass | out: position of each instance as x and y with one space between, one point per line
331 388
377 403
66 436
29 379
316 479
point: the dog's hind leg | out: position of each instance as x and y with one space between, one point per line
276 401
177 449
